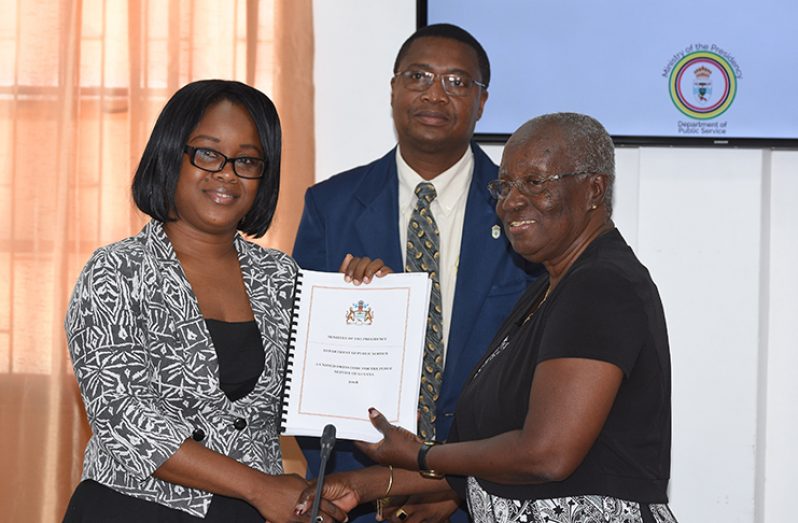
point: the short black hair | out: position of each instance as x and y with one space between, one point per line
455 33
155 181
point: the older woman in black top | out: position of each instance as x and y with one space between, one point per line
567 417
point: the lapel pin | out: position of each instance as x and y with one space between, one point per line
495 232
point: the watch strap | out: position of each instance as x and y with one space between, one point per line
423 468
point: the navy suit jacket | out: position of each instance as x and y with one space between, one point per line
357 212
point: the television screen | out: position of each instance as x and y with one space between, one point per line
721 72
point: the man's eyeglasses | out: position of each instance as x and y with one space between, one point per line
500 189
453 84
213 161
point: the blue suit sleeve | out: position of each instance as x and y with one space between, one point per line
310 246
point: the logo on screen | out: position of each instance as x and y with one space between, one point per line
703 85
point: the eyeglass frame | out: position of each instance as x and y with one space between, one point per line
526 182
192 153
427 74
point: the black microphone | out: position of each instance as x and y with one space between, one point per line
327 444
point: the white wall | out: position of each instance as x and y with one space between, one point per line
356 43
778 349
718 229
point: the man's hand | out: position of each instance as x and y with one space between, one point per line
362 270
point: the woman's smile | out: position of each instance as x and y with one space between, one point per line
521 224
221 196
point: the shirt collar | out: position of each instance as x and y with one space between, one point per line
450 185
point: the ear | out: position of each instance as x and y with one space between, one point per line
597 190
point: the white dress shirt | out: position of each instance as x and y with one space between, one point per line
448 208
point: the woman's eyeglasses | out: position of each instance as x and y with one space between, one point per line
213 161
500 189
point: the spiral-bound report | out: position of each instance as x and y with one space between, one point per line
353 347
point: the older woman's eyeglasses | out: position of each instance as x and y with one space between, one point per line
453 84
500 189
213 161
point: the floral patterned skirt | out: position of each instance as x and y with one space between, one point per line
487 508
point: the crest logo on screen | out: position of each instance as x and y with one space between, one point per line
703 85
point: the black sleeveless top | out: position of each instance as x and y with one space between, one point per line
240 353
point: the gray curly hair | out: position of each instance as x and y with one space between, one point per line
588 143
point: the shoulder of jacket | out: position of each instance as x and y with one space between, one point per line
351 178
263 254
124 252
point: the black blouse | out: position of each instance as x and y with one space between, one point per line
607 308
240 353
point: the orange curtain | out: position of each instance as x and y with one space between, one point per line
81 83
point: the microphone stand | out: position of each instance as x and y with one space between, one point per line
327 444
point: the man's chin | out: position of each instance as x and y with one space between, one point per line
432 141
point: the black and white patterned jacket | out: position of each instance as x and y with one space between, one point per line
148 372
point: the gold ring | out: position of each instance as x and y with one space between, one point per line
401 514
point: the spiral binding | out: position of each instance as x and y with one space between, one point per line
289 359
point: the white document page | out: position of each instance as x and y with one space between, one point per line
356 347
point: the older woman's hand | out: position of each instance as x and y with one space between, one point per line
346 490
338 489
275 501
362 269
399 447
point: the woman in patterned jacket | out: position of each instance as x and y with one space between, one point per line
178 335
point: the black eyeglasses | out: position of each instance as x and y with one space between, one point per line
453 84
500 189
213 161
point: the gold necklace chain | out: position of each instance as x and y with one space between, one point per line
538 305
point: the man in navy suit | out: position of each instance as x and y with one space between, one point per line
438 92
